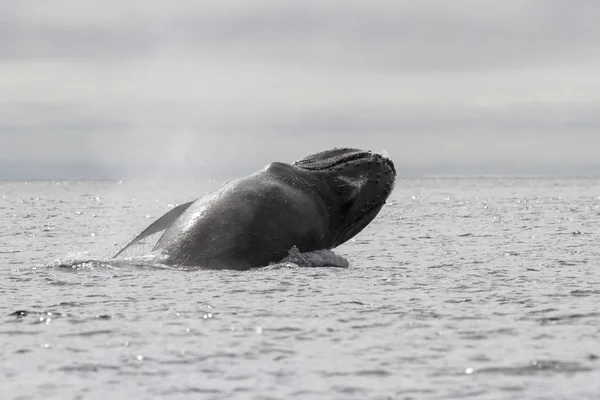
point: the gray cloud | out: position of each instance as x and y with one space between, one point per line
389 35
145 86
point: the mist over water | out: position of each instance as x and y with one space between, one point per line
462 287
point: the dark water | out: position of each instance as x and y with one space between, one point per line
461 288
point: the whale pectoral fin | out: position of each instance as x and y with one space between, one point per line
315 258
159 225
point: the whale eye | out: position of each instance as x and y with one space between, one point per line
347 189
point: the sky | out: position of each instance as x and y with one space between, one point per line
148 88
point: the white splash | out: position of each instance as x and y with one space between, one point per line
317 258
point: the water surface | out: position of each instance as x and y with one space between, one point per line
461 288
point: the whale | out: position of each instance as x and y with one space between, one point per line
316 203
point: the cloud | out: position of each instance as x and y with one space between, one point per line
387 35
198 85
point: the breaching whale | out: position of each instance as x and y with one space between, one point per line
318 202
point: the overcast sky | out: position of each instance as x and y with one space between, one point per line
122 88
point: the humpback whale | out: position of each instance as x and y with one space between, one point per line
316 203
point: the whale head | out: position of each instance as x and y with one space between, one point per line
363 180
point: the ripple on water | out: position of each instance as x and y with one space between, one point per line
569 318
535 367
87 368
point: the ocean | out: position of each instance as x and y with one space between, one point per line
478 288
